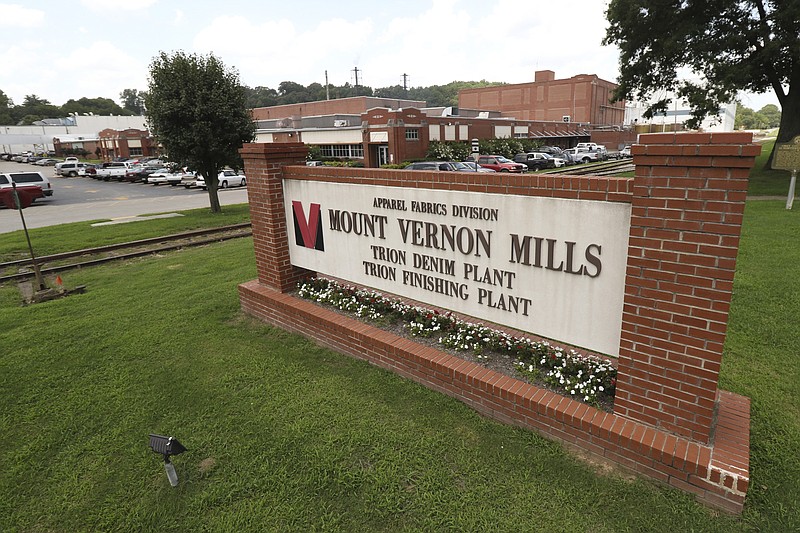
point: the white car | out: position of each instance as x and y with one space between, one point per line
227 178
159 177
475 167
26 179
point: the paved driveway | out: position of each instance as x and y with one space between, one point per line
83 199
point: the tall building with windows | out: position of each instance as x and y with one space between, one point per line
585 98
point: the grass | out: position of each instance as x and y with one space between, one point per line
764 181
80 235
286 436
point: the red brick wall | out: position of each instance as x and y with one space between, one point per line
687 200
689 194
263 167
585 98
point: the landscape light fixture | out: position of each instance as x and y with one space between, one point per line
167 446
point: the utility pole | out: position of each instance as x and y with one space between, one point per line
405 84
327 87
356 71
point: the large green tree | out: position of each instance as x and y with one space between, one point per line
5 109
32 109
196 109
98 106
133 100
730 45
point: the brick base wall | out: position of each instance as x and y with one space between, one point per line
717 475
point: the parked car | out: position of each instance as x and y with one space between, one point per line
159 177
473 166
583 155
593 148
226 178
499 163
115 170
139 173
566 157
27 179
537 160
179 177
447 166
46 162
27 193
625 153
71 169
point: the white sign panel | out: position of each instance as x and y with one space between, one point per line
552 267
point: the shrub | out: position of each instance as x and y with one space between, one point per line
586 378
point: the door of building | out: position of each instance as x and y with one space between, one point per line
383 154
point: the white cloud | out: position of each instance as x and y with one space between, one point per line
97 70
118 5
17 16
18 59
178 17
259 50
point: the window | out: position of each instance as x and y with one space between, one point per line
351 151
412 134
136 151
27 177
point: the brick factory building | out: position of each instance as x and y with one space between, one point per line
394 131
126 144
584 98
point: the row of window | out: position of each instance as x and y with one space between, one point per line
352 151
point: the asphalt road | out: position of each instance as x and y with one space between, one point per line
83 199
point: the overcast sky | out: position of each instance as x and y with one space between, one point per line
62 49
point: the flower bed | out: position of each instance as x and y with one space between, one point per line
584 378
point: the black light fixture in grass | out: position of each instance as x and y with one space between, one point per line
167 446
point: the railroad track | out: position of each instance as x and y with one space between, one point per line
51 264
597 169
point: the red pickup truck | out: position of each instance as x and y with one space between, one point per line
498 163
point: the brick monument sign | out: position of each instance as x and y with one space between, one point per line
636 269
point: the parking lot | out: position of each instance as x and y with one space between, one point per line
82 198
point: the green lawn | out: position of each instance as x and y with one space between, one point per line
767 182
79 235
286 436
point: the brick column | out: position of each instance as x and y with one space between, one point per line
263 165
688 203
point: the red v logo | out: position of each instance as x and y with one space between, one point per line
308 232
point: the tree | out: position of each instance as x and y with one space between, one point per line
196 109
34 108
5 109
771 114
261 97
98 106
748 119
133 100
395 91
731 45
